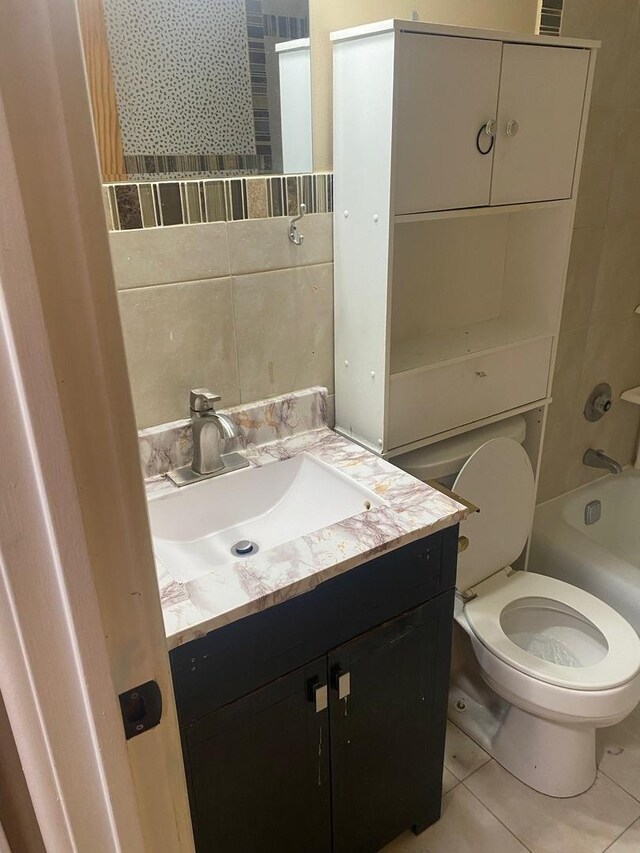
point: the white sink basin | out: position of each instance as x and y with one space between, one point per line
194 528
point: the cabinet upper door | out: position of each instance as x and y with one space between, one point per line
539 116
447 90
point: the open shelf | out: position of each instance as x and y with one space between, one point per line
471 284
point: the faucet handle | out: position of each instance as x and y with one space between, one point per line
203 400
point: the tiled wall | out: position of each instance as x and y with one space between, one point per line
234 306
600 335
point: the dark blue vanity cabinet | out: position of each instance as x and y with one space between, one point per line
318 725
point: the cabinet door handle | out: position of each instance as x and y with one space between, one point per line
321 697
318 693
342 682
512 127
486 130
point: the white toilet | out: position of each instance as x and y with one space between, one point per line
555 662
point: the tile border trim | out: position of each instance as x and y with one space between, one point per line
157 204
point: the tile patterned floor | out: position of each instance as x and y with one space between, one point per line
485 809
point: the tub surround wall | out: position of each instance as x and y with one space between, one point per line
600 334
235 307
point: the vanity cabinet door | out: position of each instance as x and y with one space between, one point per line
258 770
539 117
447 91
388 716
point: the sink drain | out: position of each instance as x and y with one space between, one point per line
244 548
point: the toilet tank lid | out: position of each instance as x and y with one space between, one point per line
447 457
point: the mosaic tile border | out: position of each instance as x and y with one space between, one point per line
157 204
285 27
551 17
147 167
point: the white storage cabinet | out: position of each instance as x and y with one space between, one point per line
457 156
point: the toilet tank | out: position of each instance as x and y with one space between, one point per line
444 459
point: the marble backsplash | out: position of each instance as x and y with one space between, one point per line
170 445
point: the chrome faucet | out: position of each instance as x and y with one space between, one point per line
211 430
598 459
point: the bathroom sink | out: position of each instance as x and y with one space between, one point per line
196 529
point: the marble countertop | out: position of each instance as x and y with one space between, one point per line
413 510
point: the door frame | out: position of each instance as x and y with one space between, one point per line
80 616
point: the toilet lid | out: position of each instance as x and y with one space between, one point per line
498 478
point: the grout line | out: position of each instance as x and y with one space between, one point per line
235 337
479 767
485 806
297 267
618 785
618 837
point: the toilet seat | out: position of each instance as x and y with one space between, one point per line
620 658
545 628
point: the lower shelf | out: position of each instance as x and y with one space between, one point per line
431 400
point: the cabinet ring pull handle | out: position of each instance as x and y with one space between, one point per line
486 129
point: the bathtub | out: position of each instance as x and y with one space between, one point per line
604 557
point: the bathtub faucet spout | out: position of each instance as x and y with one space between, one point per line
599 459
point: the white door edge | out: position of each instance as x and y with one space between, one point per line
80 617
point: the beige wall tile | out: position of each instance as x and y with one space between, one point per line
624 198
615 434
603 284
263 244
284 327
612 355
567 390
554 465
166 255
613 22
632 91
618 286
597 166
583 824
178 337
582 276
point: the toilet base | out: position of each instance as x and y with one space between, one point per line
552 758
556 759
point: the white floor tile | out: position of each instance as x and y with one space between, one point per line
449 781
584 824
619 754
466 826
629 841
461 755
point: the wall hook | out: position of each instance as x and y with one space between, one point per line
294 234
